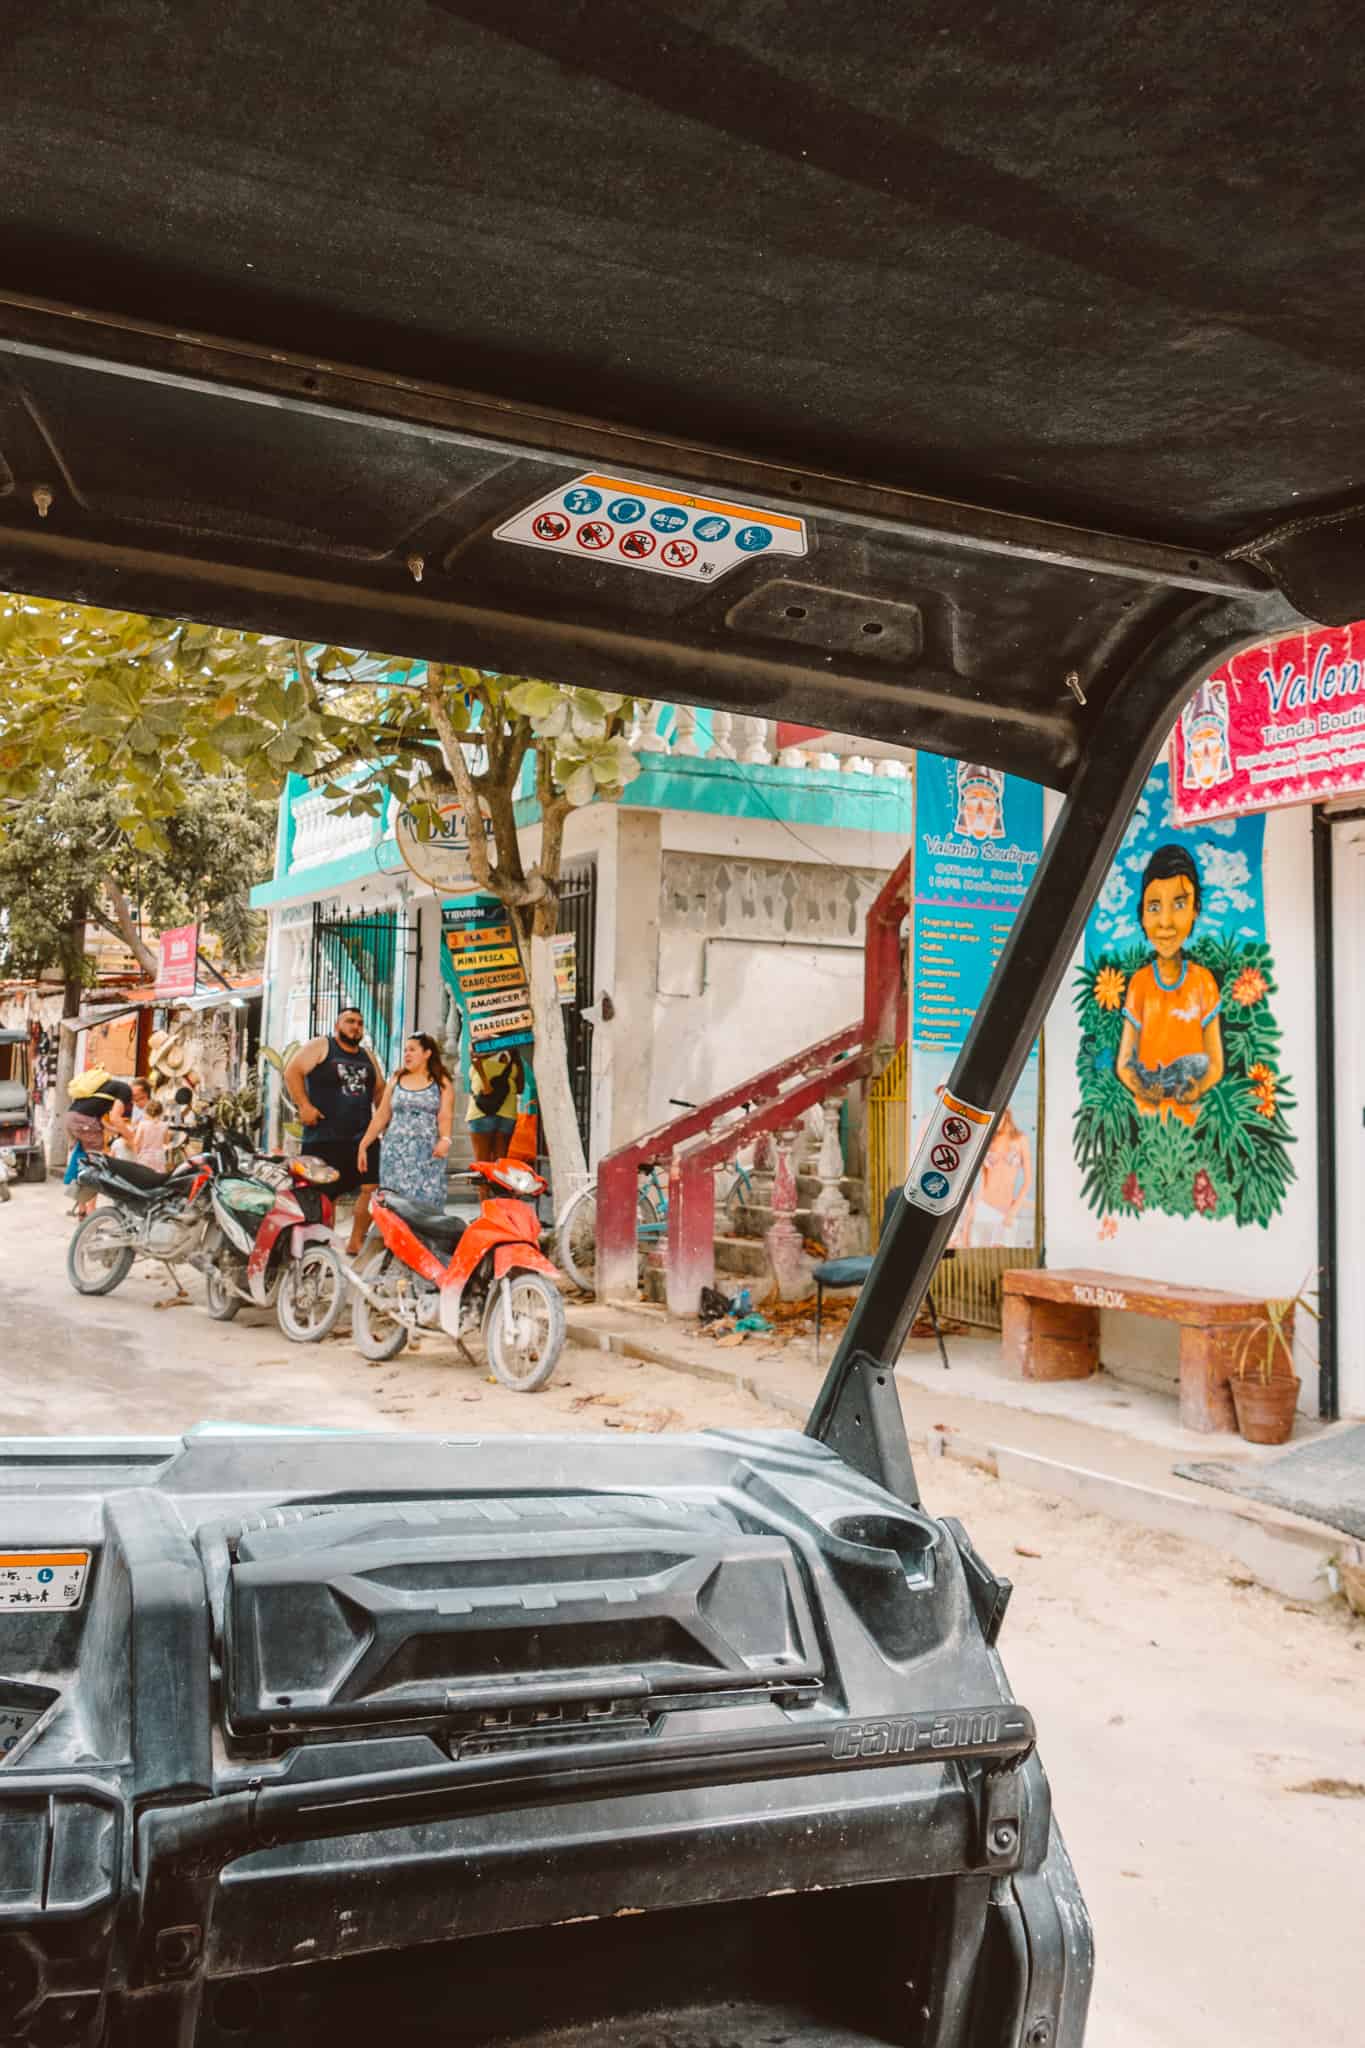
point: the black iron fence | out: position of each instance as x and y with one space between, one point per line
367 961
578 914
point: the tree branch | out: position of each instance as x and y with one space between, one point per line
125 928
504 886
554 810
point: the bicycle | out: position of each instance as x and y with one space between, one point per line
576 1231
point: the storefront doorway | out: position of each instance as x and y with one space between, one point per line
1348 924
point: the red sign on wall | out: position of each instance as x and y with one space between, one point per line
1279 724
179 964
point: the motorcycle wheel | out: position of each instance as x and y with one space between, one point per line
97 1259
524 1357
312 1295
376 1335
221 1298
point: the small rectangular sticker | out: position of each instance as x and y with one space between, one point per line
943 1162
43 1578
643 526
15 1723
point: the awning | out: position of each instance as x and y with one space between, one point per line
202 999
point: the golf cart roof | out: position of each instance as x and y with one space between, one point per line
1040 330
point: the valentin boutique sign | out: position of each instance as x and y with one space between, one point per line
1279 724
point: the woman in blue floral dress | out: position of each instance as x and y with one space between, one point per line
415 1114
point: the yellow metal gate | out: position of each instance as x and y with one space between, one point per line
966 1288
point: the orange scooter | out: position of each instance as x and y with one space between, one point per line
433 1270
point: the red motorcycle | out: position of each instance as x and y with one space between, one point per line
434 1270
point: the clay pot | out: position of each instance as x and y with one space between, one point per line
1265 1408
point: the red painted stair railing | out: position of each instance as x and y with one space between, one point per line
694 1144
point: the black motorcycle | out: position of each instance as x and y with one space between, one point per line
150 1215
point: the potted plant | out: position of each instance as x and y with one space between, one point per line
1265 1387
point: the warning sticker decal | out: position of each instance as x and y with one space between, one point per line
43 1578
946 1154
642 526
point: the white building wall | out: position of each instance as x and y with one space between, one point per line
1275 1261
760 946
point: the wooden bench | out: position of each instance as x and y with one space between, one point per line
1052 1331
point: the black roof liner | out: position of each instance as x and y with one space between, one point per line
1062 267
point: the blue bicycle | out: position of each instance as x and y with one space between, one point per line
576 1232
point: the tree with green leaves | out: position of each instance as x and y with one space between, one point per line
68 861
149 705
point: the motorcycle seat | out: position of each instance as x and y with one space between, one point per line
443 1226
134 1175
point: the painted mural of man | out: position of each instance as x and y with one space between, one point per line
1171 1049
980 801
1204 730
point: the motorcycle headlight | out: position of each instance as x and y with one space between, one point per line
315 1171
518 1179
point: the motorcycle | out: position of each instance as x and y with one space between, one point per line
434 1270
151 1215
269 1245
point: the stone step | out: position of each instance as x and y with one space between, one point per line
808 1186
744 1255
752 1223
653 1288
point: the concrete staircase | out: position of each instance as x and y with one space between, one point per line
741 1227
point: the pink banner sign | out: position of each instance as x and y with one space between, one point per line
1279 724
179 964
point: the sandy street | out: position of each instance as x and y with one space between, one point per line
1205 1739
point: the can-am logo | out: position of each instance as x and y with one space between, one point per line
922 1732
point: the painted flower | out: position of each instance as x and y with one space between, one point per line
1109 1227
1132 1193
1261 1076
1249 988
1265 1103
1104 1062
1205 1193
1108 990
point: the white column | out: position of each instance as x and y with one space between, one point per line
685 731
830 1207
753 741
722 746
648 738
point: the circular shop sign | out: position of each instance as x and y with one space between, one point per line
442 861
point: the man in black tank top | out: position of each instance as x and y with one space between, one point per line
333 1082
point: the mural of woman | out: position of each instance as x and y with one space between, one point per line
1171 1050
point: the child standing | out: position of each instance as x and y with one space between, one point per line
152 1136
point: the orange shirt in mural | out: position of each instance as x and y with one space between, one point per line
1170 1023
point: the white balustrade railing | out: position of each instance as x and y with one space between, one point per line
323 833
666 729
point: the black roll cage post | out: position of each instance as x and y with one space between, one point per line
857 1410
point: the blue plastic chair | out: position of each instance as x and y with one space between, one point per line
853 1272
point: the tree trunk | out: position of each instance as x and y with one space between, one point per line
560 1119
72 991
